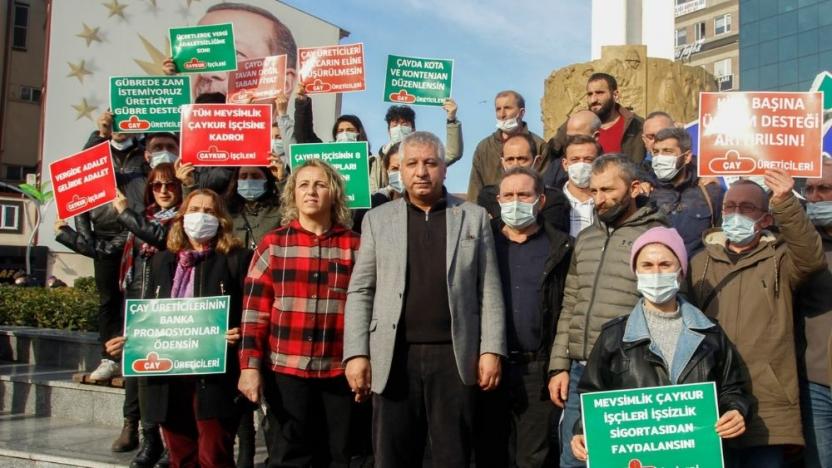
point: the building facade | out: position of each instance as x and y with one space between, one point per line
708 35
784 44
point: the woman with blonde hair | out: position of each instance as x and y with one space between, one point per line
293 320
198 413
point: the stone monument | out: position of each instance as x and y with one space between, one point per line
645 85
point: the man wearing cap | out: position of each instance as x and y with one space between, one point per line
665 340
745 278
599 286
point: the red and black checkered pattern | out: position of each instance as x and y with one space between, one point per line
293 310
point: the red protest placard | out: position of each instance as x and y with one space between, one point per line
746 133
257 80
83 181
332 69
226 134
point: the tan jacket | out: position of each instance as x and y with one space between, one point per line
600 285
486 168
755 310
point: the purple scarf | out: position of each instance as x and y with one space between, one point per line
183 278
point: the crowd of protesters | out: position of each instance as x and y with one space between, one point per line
465 331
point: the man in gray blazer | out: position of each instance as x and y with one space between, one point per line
424 320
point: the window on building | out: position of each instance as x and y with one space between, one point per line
17 172
722 24
30 94
10 216
724 74
681 37
21 25
699 31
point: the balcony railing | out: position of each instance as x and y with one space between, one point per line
690 7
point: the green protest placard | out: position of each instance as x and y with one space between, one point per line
350 159
201 49
656 427
418 81
148 103
175 336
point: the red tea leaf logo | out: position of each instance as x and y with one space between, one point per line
403 96
732 163
194 64
152 363
134 123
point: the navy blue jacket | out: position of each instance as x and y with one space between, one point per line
687 207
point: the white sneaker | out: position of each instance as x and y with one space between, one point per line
106 370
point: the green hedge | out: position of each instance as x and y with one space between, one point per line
73 308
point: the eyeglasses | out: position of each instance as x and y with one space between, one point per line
742 208
159 186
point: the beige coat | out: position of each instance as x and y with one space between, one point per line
755 310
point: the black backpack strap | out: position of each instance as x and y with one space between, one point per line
712 295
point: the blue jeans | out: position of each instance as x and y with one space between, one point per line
816 406
571 414
766 456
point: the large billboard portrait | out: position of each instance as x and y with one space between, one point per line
93 40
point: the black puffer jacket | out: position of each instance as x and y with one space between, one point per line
131 170
616 365
217 275
146 232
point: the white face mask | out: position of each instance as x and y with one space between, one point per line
508 125
398 132
161 157
658 288
665 167
579 173
122 145
346 136
200 227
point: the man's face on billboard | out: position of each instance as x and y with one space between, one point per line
254 37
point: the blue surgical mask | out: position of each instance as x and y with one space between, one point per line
277 146
394 180
658 288
161 157
251 189
517 214
739 229
820 213
346 136
398 132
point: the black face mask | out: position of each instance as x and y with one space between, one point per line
614 214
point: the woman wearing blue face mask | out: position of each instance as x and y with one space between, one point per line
390 162
666 340
253 203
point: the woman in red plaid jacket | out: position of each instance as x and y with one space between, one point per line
293 320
